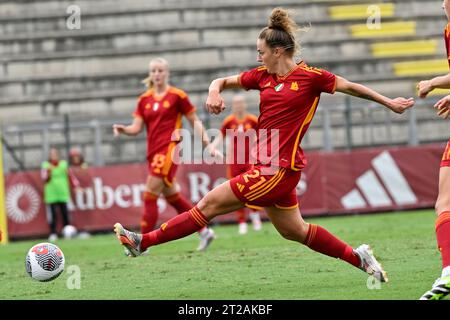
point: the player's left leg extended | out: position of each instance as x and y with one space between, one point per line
291 226
441 287
218 201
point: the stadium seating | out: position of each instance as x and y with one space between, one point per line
47 70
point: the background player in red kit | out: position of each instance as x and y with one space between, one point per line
161 109
441 287
235 127
289 95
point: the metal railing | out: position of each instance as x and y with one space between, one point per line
353 124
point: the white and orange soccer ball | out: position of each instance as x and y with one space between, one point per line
44 262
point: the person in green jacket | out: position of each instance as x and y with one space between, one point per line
57 178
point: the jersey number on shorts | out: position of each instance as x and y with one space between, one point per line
254 175
158 162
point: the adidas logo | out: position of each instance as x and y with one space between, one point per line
380 191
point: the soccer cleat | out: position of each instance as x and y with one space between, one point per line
440 289
53 237
242 228
369 264
256 221
206 237
130 240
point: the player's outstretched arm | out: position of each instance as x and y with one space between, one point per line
131 130
398 105
426 86
214 102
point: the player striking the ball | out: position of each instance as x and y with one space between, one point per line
289 96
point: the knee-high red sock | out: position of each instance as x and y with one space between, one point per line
320 240
443 237
241 216
180 203
150 216
178 227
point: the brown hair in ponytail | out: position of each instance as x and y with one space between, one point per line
280 31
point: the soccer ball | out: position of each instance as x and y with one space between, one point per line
44 262
69 231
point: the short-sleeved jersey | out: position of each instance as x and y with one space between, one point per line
287 107
236 129
162 115
447 42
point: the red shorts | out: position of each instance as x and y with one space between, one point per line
261 188
446 156
234 170
162 166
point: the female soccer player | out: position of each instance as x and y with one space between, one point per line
441 286
289 95
240 128
160 109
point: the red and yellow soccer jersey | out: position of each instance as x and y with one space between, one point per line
447 42
162 115
287 104
236 129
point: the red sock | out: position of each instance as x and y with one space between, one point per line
180 203
241 215
443 237
178 227
150 216
320 240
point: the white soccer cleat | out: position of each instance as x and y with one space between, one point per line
53 237
206 237
130 240
242 228
440 289
256 221
369 264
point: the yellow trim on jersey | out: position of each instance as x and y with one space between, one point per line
311 69
168 159
147 93
307 120
228 119
252 117
182 94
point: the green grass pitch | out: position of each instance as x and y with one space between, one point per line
259 265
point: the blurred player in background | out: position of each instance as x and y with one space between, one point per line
57 178
441 286
160 110
234 128
289 95
76 159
